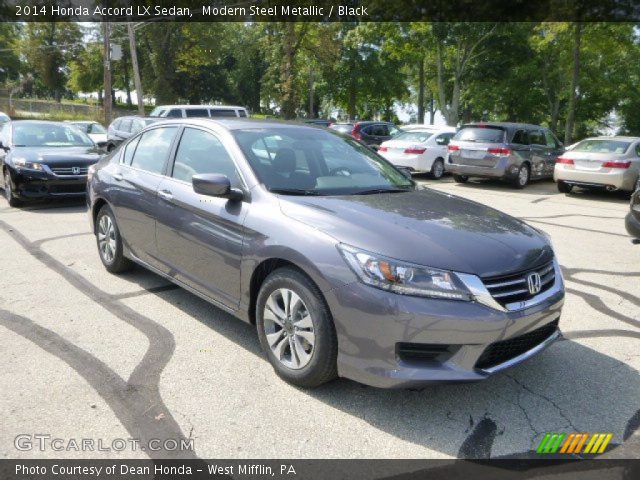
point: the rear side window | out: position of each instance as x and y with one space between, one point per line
153 149
242 113
521 137
222 112
480 134
444 138
129 151
197 112
379 130
551 140
116 124
174 113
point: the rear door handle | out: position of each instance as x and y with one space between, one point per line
165 194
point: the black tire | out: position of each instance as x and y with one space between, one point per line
461 178
321 366
437 169
564 187
8 191
522 178
116 262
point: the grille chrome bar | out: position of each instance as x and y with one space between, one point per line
513 288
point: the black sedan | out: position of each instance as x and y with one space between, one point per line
41 159
632 221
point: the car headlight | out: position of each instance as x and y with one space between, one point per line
404 278
23 163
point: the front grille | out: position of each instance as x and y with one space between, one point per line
422 351
70 188
505 350
69 170
514 288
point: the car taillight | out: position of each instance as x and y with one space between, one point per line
414 151
565 161
453 148
616 164
501 151
355 133
383 149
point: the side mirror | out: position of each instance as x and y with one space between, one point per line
215 185
406 171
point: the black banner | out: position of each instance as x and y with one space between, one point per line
320 10
511 469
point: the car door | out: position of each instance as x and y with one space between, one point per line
200 237
539 153
142 167
554 150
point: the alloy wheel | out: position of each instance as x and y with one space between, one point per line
523 176
289 328
107 238
438 169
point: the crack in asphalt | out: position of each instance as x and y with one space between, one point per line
128 399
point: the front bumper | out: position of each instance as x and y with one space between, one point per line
376 328
29 184
621 179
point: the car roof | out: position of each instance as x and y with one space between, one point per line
613 137
509 125
226 107
237 123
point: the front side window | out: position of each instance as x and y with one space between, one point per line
49 135
310 161
153 149
125 125
521 137
197 112
551 140
174 113
202 152
536 137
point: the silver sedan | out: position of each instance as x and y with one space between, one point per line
612 163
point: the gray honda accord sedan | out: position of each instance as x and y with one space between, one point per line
346 266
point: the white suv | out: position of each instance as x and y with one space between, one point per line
198 111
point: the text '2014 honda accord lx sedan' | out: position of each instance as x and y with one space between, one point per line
346 267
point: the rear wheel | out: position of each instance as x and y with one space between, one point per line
522 179
437 169
8 190
461 178
295 329
564 187
109 242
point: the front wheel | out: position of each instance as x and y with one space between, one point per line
109 242
564 187
461 178
8 191
437 169
295 329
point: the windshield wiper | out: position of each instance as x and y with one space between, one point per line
293 191
373 191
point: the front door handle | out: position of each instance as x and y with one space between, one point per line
118 177
165 194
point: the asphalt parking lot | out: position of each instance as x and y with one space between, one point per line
86 354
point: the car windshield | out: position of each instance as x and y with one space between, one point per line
309 161
48 135
414 136
602 146
480 134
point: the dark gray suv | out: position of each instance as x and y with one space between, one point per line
516 152
346 267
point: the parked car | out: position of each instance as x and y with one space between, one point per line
346 267
319 122
41 159
611 163
94 131
422 126
418 150
370 132
4 118
632 220
515 152
198 111
123 127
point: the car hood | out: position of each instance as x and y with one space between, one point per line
427 228
58 155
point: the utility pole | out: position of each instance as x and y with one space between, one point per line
136 69
311 112
107 74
